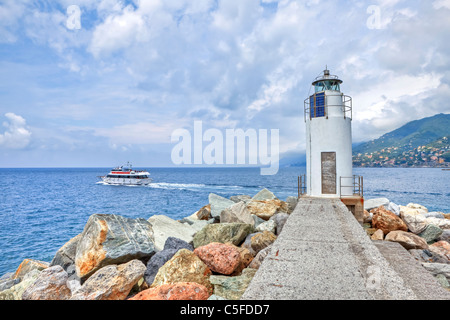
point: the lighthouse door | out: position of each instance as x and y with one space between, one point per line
328 172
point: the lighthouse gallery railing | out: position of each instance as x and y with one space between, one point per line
317 105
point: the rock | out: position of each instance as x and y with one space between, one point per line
257 220
219 257
427 256
184 266
270 226
264 194
438 268
28 265
378 235
441 223
113 282
204 213
445 236
292 203
239 198
16 291
65 256
255 242
237 213
112 239
257 261
438 215
215 297
176 291
442 248
264 209
232 288
442 280
156 262
375 203
218 204
223 233
50 285
165 227
431 233
407 240
394 208
411 211
280 219
6 283
447 216
177 244
73 285
245 259
416 206
387 221
416 222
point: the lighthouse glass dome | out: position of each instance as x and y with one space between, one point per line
332 85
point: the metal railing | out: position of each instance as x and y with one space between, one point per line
346 106
301 185
357 186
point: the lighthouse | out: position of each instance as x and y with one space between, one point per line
328 117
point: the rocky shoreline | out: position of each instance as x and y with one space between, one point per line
210 255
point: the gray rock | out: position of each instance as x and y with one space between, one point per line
112 239
222 233
15 292
375 203
232 288
427 256
394 208
239 198
445 236
442 280
237 213
438 268
438 215
199 224
258 260
50 285
431 233
8 283
267 226
156 262
65 256
165 227
218 204
264 195
216 297
280 219
257 220
292 202
177 244
73 285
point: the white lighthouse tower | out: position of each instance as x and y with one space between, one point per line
328 117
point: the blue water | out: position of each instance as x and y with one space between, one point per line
41 209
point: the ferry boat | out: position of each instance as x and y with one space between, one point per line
127 176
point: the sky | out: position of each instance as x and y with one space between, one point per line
97 83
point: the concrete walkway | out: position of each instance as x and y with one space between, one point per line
323 253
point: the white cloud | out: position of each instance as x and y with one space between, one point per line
17 135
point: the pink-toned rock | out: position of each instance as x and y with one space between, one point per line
407 239
387 221
175 291
50 285
442 248
219 257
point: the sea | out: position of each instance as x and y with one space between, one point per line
41 209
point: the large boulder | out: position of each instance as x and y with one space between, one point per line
265 209
165 227
50 285
218 204
280 220
407 239
270 226
245 259
184 266
415 221
442 248
234 233
258 260
237 213
113 282
387 221
242 197
232 288
112 239
264 194
16 291
65 256
175 291
417 206
219 257
438 268
427 256
292 203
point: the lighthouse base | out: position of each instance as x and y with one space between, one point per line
355 204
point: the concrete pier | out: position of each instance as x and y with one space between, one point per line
323 253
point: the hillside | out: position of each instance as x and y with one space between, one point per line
422 142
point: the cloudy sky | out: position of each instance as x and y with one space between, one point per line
98 83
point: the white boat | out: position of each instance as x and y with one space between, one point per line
127 176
